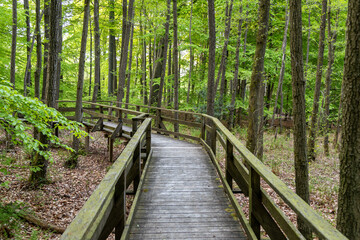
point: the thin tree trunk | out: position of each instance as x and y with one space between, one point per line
90 79
27 80
164 56
80 83
13 43
38 50
308 40
97 51
124 52
176 71
46 47
169 76
298 93
112 48
348 218
314 115
236 73
282 70
257 77
332 35
127 98
191 54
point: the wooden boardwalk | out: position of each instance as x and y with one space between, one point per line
182 197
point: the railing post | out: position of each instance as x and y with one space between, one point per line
120 202
254 198
101 110
229 159
158 118
87 140
137 165
213 139
134 126
138 108
148 141
110 109
203 128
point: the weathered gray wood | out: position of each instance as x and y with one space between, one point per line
182 197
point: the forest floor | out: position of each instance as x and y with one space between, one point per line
324 173
59 201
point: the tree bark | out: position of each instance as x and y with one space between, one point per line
127 98
164 55
112 49
97 51
13 43
80 83
175 61
348 219
257 77
90 78
46 47
236 73
191 54
314 115
38 50
27 80
52 75
298 92
332 35
124 52
308 40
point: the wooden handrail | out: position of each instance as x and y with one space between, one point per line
247 173
106 207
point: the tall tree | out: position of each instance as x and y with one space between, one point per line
348 218
53 74
191 53
13 43
298 92
308 4
124 51
97 51
27 80
80 83
38 51
176 64
112 48
130 62
332 35
46 47
257 79
164 56
315 111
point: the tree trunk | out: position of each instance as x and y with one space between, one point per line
80 83
169 99
13 43
298 92
236 73
176 71
112 49
257 77
46 47
164 55
52 75
282 70
97 51
348 219
90 78
38 50
191 54
314 115
332 35
130 63
124 52
27 80
308 40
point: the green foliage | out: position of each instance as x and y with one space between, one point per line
38 115
9 216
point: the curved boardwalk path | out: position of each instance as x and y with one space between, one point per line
181 196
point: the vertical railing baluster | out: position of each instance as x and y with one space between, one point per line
229 159
120 201
203 128
148 142
254 199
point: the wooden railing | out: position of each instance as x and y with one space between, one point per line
106 207
243 168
